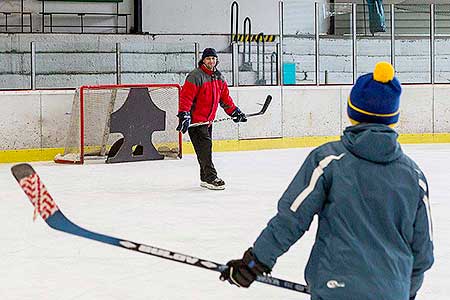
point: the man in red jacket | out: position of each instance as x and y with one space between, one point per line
204 89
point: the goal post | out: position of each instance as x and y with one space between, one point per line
88 132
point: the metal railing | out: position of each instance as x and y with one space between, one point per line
274 61
260 64
234 19
22 25
82 21
247 65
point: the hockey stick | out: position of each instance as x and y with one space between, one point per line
44 205
261 112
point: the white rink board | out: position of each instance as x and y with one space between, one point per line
56 110
442 109
311 112
268 125
416 110
20 120
294 112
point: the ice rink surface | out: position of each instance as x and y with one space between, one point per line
160 203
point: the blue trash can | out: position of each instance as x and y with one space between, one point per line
289 73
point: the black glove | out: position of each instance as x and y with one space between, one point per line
412 297
242 272
184 120
238 116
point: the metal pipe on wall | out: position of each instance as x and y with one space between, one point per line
248 21
280 44
433 60
316 33
196 53
234 33
33 65
273 60
21 16
279 64
43 16
392 35
432 43
118 64
137 16
235 63
259 40
354 49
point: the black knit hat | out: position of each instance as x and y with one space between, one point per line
209 52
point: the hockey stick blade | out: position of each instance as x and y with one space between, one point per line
46 207
261 112
263 109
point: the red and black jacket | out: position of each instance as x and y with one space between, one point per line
202 93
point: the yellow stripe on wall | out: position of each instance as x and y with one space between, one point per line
28 155
424 138
47 154
254 37
303 142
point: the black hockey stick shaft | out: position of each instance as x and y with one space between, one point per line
261 112
45 206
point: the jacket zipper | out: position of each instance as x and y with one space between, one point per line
213 94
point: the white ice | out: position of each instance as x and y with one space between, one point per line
160 203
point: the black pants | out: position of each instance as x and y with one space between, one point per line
201 138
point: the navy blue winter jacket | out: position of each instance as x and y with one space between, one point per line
374 235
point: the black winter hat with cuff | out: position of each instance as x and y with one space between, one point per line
209 52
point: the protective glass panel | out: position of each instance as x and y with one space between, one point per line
298 42
373 36
442 43
335 45
412 43
143 62
74 63
15 68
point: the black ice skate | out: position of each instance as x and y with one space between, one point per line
216 184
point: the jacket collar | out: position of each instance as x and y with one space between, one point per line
206 70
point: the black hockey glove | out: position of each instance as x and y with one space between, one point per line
412 297
242 272
184 120
238 116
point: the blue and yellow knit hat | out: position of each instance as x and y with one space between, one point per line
375 97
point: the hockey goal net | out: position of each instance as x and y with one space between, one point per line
88 133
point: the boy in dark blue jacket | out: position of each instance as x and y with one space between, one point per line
374 236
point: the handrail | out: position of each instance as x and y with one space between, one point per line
82 15
21 25
236 31
273 58
249 22
260 39
44 13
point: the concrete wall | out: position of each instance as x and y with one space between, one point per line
208 16
39 119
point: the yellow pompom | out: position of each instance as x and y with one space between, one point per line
384 72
